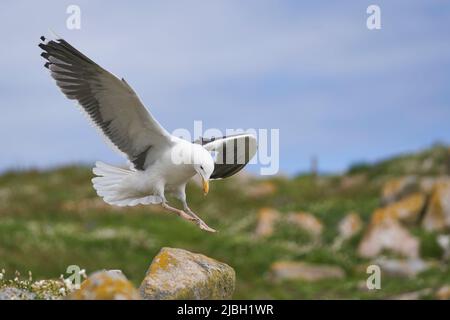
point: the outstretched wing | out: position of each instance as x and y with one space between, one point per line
232 153
109 102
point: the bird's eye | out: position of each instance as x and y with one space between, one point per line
201 167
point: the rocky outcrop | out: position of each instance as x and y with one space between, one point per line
444 242
402 268
443 293
414 295
267 218
437 216
106 285
307 222
260 189
180 274
350 225
387 234
290 270
407 209
396 188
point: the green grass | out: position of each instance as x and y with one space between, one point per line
39 232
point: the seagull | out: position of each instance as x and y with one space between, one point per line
158 162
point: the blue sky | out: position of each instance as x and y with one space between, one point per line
334 88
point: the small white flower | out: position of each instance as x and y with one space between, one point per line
83 273
68 283
1 276
62 291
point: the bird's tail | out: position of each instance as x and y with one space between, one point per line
110 185
108 182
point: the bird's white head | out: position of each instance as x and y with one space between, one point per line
204 166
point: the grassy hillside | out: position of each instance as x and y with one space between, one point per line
50 220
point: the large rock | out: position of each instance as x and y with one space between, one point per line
290 270
350 225
443 293
260 189
427 184
437 216
407 209
396 188
402 268
106 285
444 242
307 222
414 295
387 234
267 218
180 274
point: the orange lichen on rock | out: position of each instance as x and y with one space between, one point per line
396 188
106 285
386 233
162 262
437 216
407 209
180 274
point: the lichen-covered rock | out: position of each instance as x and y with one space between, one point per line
291 270
350 225
407 209
267 218
402 268
437 216
106 285
427 184
443 293
260 189
443 241
414 295
11 293
180 274
396 188
387 234
307 222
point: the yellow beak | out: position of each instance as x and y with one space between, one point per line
205 186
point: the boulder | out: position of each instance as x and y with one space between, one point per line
350 225
387 234
290 270
427 184
260 189
407 209
396 188
402 268
106 285
414 295
307 222
180 274
443 241
443 293
267 217
437 216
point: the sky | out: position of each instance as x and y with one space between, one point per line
335 89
